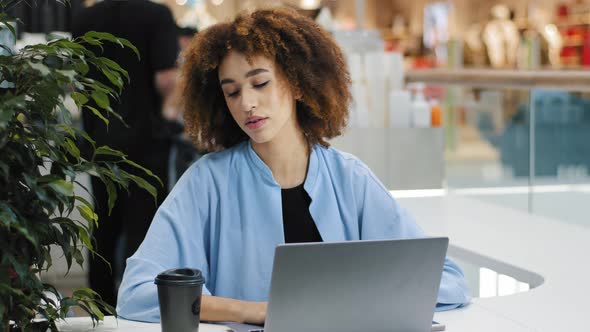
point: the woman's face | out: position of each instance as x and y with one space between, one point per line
258 97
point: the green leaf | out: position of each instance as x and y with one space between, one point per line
85 293
67 44
78 257
147 171
106 307
66 303
117 115
62 187
113 65
144 185
113 78
96 85
85 238
47 258
83 200
98 114
105 150
67 129
65 116
93 41
131 46
114 174
68 170
71 147
95 310
81 67
111 38
79 98
10 27
112 192
88 214
101 99
85 136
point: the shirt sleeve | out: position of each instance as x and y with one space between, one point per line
176 238
378 202
163 46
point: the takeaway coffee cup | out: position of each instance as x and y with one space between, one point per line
179 293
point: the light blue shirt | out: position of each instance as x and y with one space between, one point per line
224 217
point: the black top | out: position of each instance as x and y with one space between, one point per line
297 221
151 28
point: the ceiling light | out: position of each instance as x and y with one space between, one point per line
310 4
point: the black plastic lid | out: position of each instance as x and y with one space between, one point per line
180 277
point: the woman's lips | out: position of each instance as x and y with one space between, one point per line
256 123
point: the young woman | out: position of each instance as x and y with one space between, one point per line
265 92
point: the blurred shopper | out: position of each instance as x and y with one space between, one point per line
146 140
182 152
185 36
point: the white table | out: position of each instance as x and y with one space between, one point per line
557 251
526 241
111 324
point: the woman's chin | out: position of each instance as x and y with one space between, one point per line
260 138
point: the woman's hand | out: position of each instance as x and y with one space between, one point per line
220 309
254 312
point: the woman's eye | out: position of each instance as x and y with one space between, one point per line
258 86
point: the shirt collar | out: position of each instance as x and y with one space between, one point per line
266 173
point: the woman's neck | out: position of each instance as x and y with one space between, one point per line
287 157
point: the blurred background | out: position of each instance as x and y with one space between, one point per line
486 99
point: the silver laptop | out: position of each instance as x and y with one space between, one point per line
372 286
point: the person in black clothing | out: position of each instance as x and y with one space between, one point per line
146 140
183 152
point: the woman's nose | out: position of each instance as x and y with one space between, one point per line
248 101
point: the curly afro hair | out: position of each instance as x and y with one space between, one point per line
307 56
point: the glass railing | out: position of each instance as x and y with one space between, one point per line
485 282
517 138
487 277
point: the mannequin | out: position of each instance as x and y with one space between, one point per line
501 38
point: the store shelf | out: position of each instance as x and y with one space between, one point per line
573 44
578 80
582 19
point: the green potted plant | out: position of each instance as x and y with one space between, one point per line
39 164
